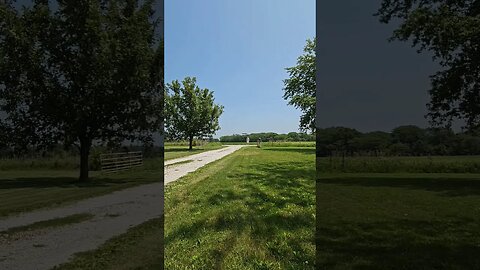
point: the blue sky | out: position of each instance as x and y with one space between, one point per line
240 49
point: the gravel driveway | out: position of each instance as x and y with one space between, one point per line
113 214
194 162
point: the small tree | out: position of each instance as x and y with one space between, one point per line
300 87
82 72
190 111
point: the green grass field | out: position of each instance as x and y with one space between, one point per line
254 209
398 221
425 164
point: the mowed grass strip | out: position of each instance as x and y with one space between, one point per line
398 221
254 209
140 248
47 224
22 191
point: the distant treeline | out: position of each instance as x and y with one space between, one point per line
269 136
402 141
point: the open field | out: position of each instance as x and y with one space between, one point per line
253 209
50 163
178 150
398 221
421 164
26 190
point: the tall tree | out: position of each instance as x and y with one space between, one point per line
84 72
451 31
190 111
299 88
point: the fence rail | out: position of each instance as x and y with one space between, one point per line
115 162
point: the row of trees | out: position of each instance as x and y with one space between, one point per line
80 73
269 136
403 141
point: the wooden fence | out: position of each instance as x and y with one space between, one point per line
115 162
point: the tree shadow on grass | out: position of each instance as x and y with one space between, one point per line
397 244
60 182
445 186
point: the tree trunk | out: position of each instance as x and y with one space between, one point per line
85 145
190 147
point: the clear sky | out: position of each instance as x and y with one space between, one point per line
240 49
366 82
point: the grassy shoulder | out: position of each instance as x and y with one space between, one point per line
47 224
253 209
32 189
398 221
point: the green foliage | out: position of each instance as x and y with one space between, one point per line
82 72
451 31
300 87
190 111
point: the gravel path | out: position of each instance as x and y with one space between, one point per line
113 214
194 162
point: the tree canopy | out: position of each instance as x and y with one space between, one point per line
190 111
300 87
79 73
450 30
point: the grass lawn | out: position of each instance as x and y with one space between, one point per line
173 151
253 209
31 189
398 221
